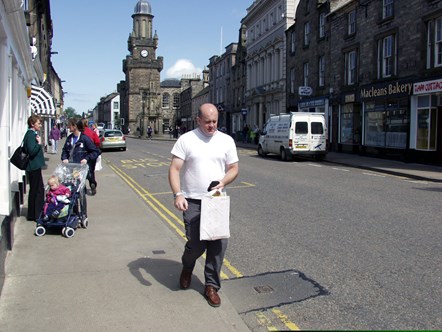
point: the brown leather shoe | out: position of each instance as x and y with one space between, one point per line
185 278
211 294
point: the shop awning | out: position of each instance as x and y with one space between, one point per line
42 102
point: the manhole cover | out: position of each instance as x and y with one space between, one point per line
264 289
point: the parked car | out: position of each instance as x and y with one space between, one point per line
112 139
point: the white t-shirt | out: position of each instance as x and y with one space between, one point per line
205 160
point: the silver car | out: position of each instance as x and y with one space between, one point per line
112 139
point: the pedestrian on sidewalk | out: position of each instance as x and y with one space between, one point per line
149 132
95 129
78 147
199 157
170 132
55 136
245 133
32 146
83 127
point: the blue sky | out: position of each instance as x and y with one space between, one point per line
91 40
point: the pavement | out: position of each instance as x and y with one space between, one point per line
121 273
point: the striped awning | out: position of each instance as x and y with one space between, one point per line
42 102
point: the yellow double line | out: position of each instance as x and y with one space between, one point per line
173 221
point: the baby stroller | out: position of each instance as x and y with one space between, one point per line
74 213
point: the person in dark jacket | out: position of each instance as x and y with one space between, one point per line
32 146
78 148
83 127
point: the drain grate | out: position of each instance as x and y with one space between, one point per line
158 252
263 289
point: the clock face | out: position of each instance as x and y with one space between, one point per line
144 53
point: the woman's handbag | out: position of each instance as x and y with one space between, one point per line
20 159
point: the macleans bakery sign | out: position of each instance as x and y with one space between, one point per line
387 90
427 87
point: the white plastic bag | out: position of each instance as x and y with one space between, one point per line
98 166
215 216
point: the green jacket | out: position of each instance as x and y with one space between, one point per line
34 150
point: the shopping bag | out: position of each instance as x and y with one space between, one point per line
19 158
215 216
98 166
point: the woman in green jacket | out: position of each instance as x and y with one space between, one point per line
32 146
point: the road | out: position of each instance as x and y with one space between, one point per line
317 246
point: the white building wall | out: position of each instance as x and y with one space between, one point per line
266 23
114 111
16 74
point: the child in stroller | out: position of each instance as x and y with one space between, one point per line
56 198
71 178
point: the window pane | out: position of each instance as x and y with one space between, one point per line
317 128
433 124
388 8
397 126
301 128
438 42
422 129
423 101
346 123
374 129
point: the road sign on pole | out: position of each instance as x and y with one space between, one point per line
305 91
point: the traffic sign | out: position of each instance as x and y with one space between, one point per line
305 91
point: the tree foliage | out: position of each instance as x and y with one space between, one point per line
70 113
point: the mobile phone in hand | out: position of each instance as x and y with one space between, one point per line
212 184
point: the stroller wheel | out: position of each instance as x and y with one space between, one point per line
40 231
69 232
63 231
84 222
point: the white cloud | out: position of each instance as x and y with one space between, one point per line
183 67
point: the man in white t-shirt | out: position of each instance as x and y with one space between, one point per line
199 157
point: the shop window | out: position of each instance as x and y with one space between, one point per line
426 124
386 125
346 124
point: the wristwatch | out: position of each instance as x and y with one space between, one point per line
177 194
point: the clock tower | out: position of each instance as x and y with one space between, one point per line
140 92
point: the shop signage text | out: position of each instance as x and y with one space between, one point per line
387 90
427 87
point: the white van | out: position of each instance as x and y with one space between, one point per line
297 133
